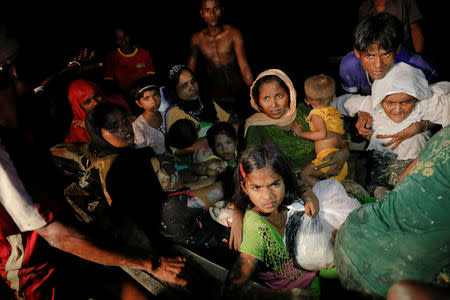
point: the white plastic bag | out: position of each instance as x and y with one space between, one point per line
309 239
335 204
314 250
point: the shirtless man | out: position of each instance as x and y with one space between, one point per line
222 47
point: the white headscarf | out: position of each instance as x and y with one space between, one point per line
401 78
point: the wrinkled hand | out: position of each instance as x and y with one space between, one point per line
236 230
336 162
399 137
364 123
169 270
311 203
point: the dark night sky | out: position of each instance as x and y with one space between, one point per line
296 38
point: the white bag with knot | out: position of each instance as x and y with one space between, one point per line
309 239
335 204
314 250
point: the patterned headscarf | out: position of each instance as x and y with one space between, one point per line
79 90
259 118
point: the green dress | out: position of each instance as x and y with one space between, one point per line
262 241
299 151
406 235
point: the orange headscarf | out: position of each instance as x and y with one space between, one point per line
259 118
79 90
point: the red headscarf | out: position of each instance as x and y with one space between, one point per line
79 90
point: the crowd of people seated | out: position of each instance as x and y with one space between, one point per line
195 163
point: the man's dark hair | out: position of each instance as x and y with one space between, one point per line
382 29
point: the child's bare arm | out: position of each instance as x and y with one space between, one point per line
239 276
319 134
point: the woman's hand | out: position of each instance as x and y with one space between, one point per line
364 123
311 202
405 134
236 230
336 162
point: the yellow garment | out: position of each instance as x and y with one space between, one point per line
331 116
318 161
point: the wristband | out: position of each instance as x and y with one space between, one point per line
426 125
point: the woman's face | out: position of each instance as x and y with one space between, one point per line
265 188
398 106
89 103
118 130
225 147
150 101
187 87
273 99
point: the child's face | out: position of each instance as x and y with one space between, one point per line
150 101
225 147
118 130
273 99
265 188
398 106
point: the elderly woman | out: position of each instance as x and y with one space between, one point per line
399 99
406 235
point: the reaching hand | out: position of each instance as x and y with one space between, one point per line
170 269
405 134
364 123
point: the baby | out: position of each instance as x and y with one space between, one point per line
221 153
327 128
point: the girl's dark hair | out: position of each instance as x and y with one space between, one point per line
182 134
220 128
141 85
264 79
258 157
382 29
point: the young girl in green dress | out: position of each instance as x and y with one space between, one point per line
265 185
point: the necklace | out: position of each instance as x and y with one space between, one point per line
280 225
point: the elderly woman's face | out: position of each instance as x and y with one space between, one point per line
187 87
273 99
398 106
